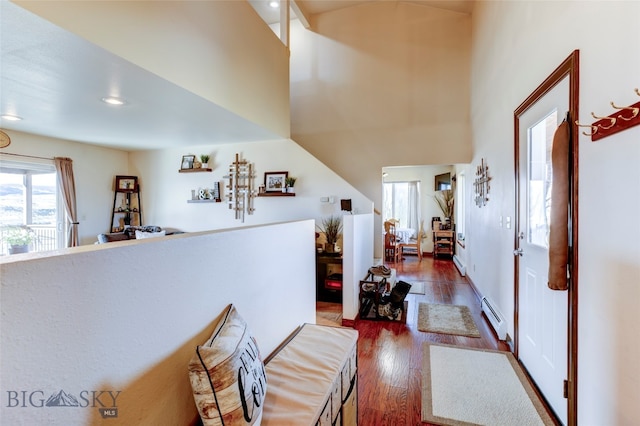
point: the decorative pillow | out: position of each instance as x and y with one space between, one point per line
142 235
227 374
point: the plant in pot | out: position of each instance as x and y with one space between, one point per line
445 201
290 183
332 229
18 238
205 160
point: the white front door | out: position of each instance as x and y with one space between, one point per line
543 313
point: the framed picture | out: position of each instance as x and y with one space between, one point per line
126 183
274 181
187 162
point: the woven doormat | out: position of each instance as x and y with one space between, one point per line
446 319
465 386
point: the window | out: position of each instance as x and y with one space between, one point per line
461 202
29 196
402 201
540 141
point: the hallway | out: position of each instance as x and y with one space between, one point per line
389 353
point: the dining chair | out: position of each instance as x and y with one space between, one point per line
391 244
415 242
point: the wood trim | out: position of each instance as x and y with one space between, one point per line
571 67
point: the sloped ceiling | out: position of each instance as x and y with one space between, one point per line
54 80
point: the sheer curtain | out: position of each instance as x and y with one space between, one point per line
64 167
413 208
402 202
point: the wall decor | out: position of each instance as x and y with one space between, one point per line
187 162
481 184
275 181
240 191
126 183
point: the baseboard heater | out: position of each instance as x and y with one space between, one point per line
461 268
495 318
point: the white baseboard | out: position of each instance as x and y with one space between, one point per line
461 267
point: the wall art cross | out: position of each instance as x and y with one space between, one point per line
481 184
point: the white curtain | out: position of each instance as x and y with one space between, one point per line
414 206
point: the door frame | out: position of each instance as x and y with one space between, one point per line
569 67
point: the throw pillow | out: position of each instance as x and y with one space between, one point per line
142 235
227 374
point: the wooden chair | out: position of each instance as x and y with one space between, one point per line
415 243
391 245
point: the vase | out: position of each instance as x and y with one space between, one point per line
205 165
330 247
290 190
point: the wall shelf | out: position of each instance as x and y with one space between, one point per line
277 194
195 170
204 201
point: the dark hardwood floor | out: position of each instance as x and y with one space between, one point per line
390 353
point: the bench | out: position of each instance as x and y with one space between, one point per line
312 378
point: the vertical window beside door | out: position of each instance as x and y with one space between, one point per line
29 197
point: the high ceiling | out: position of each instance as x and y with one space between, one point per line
55 80
313 7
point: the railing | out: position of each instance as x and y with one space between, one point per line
46 239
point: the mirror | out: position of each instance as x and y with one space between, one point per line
443 182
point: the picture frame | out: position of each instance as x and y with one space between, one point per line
274 181
126 183
187 162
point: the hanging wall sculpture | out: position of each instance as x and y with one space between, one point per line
481 184
240 191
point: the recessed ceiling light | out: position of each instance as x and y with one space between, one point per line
10 117
113 101
274 4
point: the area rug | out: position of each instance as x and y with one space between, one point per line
329 318
464 386
417 287
447 319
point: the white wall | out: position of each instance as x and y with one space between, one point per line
165 191
357 259
128 316
385 83
516 45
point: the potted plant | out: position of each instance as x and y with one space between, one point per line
332 229
18 238
205 160
289 183
445 201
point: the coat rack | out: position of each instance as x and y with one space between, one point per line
623 119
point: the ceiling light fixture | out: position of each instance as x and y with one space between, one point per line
274 4
10 117
113 101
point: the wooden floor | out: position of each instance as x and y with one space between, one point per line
389 353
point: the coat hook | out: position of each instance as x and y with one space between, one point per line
637 91
594 129
633 109
613 121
